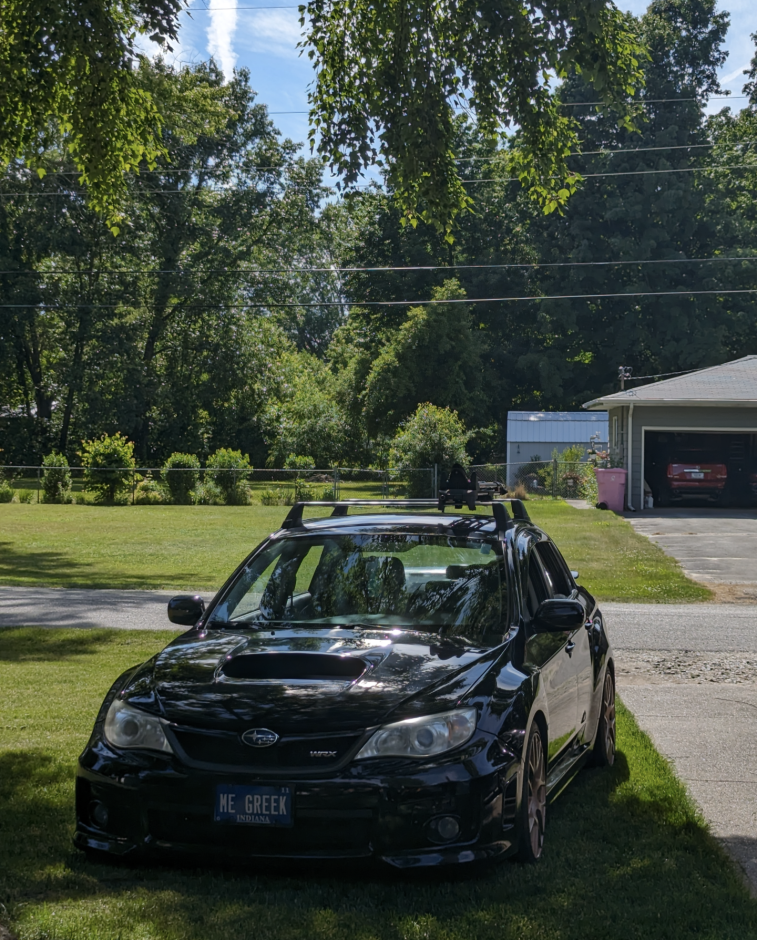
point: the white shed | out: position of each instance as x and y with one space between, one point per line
534 435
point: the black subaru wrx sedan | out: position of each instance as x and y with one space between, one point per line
408 685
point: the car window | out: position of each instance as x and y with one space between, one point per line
555 569
539 646
426 582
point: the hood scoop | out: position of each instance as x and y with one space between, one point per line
294 667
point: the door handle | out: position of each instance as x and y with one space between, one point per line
570 647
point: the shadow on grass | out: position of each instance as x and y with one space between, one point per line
41 644
58 570
626 857
18 566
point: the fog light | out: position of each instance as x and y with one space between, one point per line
98 813
443 828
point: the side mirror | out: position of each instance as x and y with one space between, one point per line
559 614
186 609
574 575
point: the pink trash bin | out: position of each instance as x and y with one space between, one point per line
611 486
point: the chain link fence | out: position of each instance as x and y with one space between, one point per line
208 486
558 479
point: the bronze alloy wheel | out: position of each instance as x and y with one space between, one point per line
607 726
534 801
604 743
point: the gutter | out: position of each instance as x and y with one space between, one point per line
629 452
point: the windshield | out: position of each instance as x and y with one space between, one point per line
424 582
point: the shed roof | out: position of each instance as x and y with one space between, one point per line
732 383
555 427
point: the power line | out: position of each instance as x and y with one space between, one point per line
504 179
394 268
391 303
205 171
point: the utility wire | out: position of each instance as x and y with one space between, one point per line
588 104
505 179
394 268
389 303
285 166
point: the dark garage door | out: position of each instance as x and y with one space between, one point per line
703 469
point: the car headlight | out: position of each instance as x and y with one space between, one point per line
422 737
126 726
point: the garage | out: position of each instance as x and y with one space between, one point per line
690 440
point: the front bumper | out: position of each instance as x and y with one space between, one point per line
367 810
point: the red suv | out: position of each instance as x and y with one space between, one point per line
695 478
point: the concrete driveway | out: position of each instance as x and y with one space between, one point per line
716 546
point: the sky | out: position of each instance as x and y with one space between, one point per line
262 36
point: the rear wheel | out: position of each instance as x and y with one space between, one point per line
604 745
533 803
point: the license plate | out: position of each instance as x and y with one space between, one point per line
696 476
253 806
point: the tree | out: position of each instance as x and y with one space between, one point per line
107 332
434 356
389 75
66 71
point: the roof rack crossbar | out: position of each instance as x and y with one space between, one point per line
341 507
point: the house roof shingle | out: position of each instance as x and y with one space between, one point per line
730 383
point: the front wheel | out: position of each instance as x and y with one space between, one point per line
604 745
533 802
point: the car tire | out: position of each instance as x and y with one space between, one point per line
605 741
533 799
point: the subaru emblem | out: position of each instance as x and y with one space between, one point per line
260 737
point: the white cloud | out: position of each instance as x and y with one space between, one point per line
275 32
737 73
221 29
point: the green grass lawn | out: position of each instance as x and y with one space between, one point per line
197 547
626 855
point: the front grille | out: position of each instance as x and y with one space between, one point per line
223 748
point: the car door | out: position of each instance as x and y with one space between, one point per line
579 645
550 653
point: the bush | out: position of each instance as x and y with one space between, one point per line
228 470
108 461
207 494
276 496
6 492
181 473
149 491
26 496
431 436
56 479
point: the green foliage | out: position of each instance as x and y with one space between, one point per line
207 494
180 475
6 492
56 478
434 356
27 496
293 462
431 436
149 491
308 421
108 461
66 75
388 77
229 470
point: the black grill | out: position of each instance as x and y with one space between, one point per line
223 748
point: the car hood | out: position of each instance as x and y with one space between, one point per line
302 680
